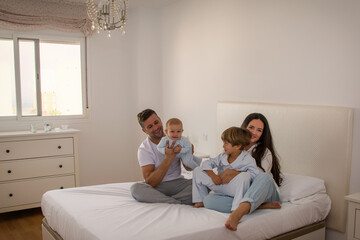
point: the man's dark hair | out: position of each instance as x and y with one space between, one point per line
144 115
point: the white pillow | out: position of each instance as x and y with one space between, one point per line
295 187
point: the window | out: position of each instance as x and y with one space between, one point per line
42 77
7 78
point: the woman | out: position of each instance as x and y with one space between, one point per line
263 192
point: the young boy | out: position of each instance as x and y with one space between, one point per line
233 158
174 130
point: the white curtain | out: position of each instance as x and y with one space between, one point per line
64 15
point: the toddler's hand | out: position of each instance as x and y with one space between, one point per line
177 149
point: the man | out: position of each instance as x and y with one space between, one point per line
162 173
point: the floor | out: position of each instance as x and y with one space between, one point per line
19 225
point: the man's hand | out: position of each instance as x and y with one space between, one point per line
227 175
153 176
187 168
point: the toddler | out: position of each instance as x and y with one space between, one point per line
174 130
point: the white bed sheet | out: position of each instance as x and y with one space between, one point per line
109 212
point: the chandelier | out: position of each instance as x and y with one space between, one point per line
108 15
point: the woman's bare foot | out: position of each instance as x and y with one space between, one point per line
235 217
270 205
232 222
198 205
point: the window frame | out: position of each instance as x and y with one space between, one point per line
49 35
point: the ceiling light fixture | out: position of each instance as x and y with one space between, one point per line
108 15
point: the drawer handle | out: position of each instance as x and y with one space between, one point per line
60 166
59 147
61 187
7 151
9 171
10 195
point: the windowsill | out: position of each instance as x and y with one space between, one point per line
37 133
24 124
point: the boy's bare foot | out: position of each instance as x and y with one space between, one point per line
198 205
270 205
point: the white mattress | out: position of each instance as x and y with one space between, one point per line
109 212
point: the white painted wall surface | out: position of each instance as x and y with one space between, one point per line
124 75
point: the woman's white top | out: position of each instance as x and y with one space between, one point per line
266 163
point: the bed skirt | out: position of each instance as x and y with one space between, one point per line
316 229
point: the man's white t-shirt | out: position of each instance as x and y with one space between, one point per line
149 154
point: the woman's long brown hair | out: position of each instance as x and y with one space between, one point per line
264 142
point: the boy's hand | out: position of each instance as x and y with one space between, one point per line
217 180
227 175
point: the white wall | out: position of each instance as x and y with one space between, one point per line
104 151
124 74
146 68
278 51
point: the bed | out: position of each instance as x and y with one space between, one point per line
311 197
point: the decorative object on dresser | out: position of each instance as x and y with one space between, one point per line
33 163
353 221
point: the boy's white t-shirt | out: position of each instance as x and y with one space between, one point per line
148 154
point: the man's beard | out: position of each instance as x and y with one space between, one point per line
156 137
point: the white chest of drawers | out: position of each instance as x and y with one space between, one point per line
33 163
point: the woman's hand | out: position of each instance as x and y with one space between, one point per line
227 175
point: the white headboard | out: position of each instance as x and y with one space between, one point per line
310 140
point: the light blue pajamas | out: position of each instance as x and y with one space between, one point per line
185 154
262 190
236 188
